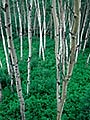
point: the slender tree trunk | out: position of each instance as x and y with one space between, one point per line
14 11
29 9
24 14
65 38
44 23
0 63
51 26
62 51
34 26
4 45
86 38
57 55
41 49
78 41
20 27
62 36
88 58
8 61
70 23
83 27
72 57
13 57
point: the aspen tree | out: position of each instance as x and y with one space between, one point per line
51 25
20 32
84 23
61 50
69 22
0 63
29 9
8 61
86 38
24 15
14 11
44 22
72 57
34 26
13 56
41 49
60 32
56 37
88 58
78 41
4 45
62 38
83 13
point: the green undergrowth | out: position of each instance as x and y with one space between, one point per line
41 102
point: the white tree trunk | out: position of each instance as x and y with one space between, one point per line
44 23
24 14
70 24
78 41
0 63
4 45
83 27
14 10
51 26
41 49
57 55
71 57
86 38
13 57
34 26
88 58
8 61
20 27
29 9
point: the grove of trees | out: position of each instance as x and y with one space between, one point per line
42 42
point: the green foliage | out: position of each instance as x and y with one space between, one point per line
41 102
77 88
85 108
9 108
5 80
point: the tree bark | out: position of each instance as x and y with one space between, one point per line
84 23
4 45
41 48
44 23
24 15
57 55
86 38
29 9
78 41
88 59
14 11
13 57
20 33
71 59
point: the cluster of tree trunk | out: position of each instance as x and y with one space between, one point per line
68 20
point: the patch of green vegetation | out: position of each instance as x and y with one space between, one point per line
41 102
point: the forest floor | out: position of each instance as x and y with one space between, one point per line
41 102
